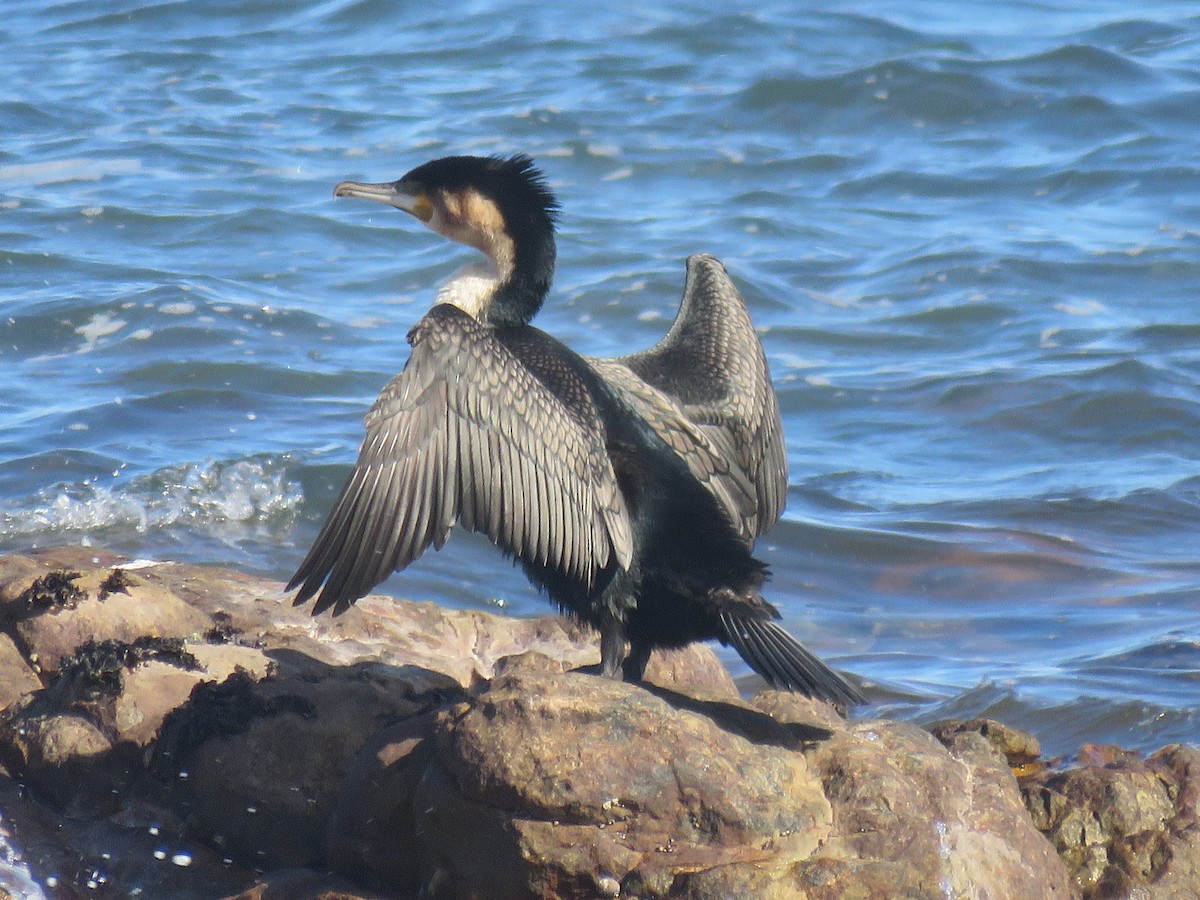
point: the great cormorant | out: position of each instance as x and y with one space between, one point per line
630 490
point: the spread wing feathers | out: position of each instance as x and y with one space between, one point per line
466 433
707 455
784 662
711 364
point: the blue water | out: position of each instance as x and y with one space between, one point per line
971 240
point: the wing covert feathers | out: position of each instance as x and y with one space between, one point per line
706 389
467 434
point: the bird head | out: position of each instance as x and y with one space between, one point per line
501 206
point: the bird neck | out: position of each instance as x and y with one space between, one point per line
503 292
525 276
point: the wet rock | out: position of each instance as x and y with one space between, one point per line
258 765
301 884
17 676
62 610
408 749
78 742
373 830
141 852
1123 825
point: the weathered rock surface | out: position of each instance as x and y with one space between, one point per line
180 731
526 777
1125 826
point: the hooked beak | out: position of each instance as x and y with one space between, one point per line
403 196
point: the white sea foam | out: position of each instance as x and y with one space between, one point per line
15 877
63 170
1081 308
221 497
98 326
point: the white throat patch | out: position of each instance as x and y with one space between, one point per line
470 288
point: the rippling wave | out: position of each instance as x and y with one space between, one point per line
971 243
230 503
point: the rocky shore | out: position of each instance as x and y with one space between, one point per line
181 731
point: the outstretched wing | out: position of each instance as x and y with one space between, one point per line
712 464
468 433
705 388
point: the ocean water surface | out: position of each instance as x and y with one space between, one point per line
971 242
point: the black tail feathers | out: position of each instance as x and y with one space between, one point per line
784 663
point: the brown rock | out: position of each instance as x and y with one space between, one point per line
65 758
1125 827
16 675
19 570
155 689
372 833
694 670
561 785
301 884
78 741
1018 748
916 821
569 785
53 631
530 663
352 744
464 644
789 708
259 764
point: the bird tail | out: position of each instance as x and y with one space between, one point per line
784 662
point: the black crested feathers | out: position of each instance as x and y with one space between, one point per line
530 210
515 182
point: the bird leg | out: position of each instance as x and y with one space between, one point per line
612 647
634 667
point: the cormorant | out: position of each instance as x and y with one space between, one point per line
630 490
